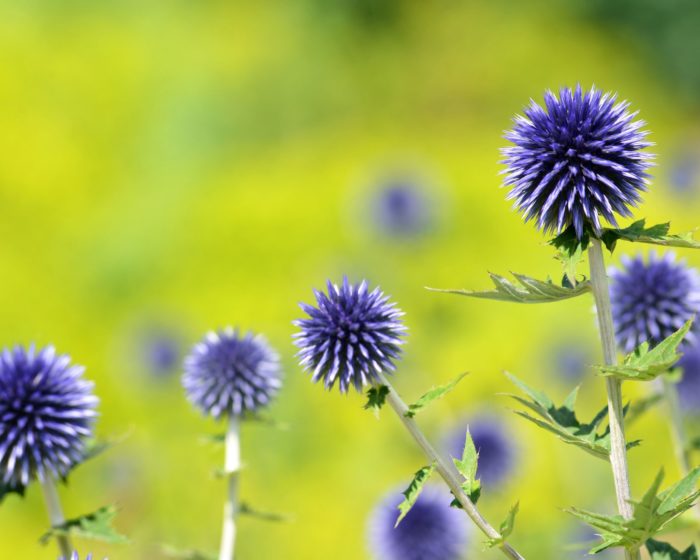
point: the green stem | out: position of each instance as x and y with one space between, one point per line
618 446
232 465
53 506
446 470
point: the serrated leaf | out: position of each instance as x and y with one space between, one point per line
467 467
94 526
414 489
376 397
527 290
433 394
664 551
172 552
644 364
570 251
655 235
506 527
562 420
650 515
245 509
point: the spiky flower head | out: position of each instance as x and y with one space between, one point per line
230 374
652 299
576 161
47 410
432 530
497 455
689 385
350 336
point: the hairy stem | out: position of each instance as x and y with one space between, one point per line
53 506
446 470
618 446
232 465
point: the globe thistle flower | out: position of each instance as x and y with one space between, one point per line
497 456
47 411
401 208
689 385
350 336
432 530
231 374
651 300
576 161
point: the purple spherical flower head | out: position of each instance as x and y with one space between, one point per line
350 336
576 161
401 208
432 530
47 409
230 374
689 385
497 455
650 300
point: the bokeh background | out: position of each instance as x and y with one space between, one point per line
171 167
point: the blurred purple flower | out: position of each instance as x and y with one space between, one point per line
401 208
161 352
47 411
569 361
432 530
684 175
652 299
576 161
689 385
497 456
230 374
350 337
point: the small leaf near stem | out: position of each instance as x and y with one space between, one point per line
467 467
414 489
433 394
96 525
664 551
376 396
655 235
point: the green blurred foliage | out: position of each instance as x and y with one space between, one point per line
199 164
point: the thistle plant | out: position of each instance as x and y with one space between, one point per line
229 376
47 410
352 337
431 530
577 164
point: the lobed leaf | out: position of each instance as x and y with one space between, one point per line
644 364
570 250
433 394
527 290
376 397
94 526
414 489
664 551
562 420
655 235
650 515
467 467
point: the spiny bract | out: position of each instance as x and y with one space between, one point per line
47 410
652 299
230 374
576 161
351 336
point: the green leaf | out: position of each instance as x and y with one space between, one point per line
655 235
664 551
644 364
433 394
172 552
650 515
570 250
376 396
527 290
562 420
506 527
467 467
245 509
414 489
94 526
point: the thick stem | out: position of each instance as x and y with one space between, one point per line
446 470
618 446
232 465
677 428
56 518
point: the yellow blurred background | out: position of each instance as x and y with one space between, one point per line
173 167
